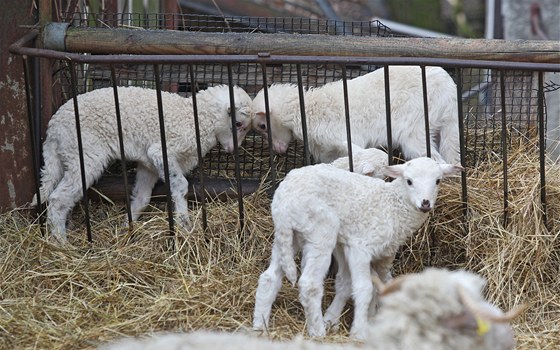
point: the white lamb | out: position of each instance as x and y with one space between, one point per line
60 176
369 161
433 310
319 208
326 126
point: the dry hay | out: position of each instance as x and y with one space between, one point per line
70 297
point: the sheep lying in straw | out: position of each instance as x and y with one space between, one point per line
368 161
433 310
60 176
326 126
319 208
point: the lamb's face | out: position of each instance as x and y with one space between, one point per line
280 134
243 113
422 177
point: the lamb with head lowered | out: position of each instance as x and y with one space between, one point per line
326 125
61 184
319 210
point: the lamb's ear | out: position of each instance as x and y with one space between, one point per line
450 170
229 110
392 286
366 168
465 321
260 116
393 171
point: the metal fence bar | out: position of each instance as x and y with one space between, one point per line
199 148
388 114
462 151
164 151
426 113
121 146
347 117
271 161
236 150
306 155
542 148
85 200
33 130
504 144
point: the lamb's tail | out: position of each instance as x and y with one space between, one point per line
449 137
284 238
52 170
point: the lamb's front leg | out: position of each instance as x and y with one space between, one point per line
362 289
177 182
381 267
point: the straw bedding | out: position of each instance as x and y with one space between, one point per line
76 296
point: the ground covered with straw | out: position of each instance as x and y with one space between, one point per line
80 295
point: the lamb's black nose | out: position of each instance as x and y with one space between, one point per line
425 206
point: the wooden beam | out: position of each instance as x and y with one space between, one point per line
131 41
112 187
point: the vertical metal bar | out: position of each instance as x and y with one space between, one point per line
426 113
32 133
271 161
504 144
542 148
198 148
236 150
164 151
80 148
347 116
388 114
306 155
121 146
460 123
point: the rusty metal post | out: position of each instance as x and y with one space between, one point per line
17 182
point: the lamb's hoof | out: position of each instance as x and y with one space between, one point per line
318 332
358 334
332 325
184 222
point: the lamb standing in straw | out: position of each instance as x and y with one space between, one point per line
326 126
433 310
61 183
319 208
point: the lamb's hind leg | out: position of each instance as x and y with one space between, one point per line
270 282
315 262
146 179
60 203
67 193
177 182
343 290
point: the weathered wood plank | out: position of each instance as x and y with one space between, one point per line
131 41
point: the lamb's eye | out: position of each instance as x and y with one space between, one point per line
409 182
239 124
438 181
